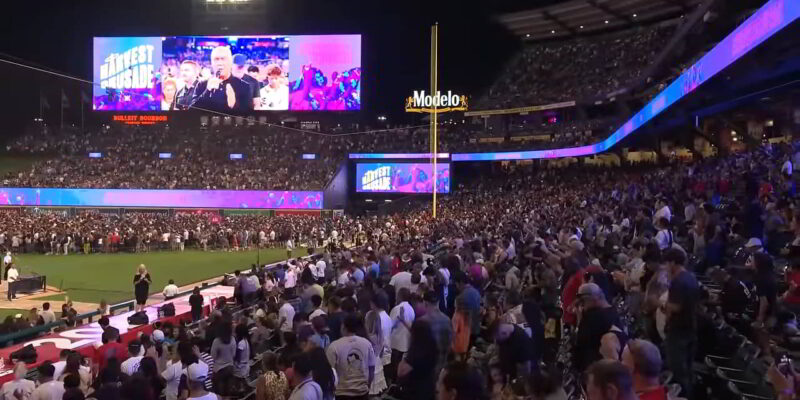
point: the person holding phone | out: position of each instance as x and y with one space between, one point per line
141 286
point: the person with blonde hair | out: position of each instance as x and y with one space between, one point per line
169 88
141 284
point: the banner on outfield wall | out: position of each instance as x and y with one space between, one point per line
140 119
152 198
520 110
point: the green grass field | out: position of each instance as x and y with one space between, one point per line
110 276
16 163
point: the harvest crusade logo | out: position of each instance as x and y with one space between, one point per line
425 103
131 69
377 179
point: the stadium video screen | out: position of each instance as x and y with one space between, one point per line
401 178
228 74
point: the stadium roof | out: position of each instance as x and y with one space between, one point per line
590 16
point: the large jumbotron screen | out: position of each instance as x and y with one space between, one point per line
228 74
401 178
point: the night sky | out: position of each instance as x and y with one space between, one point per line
473 48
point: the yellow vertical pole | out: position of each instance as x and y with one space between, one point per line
433 121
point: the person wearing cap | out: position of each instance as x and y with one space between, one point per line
596 319
735 295
196 375
135 355
240 70
19 387
680 340
48 388
643 360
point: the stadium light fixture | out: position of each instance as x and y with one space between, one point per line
553 31
527 35
606 21
581 26
634 15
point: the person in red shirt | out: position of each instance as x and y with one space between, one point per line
111 348
643 359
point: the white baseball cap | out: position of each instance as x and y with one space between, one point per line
197 372
158 335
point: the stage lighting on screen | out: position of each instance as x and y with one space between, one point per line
309 156
236 156
164 155
95 155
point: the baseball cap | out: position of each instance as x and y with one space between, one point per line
158 335
240 60
197 372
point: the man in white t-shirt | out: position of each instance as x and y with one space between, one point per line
663 211
289 248
21 385
171 290
285 315
13 275
786 168
402 316
405 280
136 353
353 359
319 271
290 278
48 316
48 389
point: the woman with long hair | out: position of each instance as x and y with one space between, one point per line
223 351
241 359
272 385
416 371
73 367
323 373
378 328
149 369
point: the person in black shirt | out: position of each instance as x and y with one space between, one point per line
223 92
240 71
735 295
517 356
185 96
141 284
597 319
335 318
681 327
196 301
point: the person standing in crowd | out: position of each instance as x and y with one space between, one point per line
378 327
196 375
643 360
12 276
416 371
141 285
597 319
48 388
354 361
19 387
681 324
303 385
223 351
286 314
272 385
441 326
196 302
609 380
135 355
323 373
402 316
241 358
471 299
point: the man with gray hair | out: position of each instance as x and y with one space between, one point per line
643 359
223 92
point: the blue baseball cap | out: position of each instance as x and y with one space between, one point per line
240 60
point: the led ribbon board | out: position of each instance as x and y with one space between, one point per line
768 20
263 199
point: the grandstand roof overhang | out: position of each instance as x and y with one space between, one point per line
577 17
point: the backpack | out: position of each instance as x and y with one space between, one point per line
26 354
139 318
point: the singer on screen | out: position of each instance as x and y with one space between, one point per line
223 92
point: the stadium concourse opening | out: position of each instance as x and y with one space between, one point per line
234 203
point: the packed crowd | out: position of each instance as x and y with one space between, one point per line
576 69
652 284
272 158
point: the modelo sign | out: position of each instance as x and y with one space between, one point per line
425 103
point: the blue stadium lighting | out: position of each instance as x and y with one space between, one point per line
309 156
767 21
95 155
236 156
360 156
164 155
